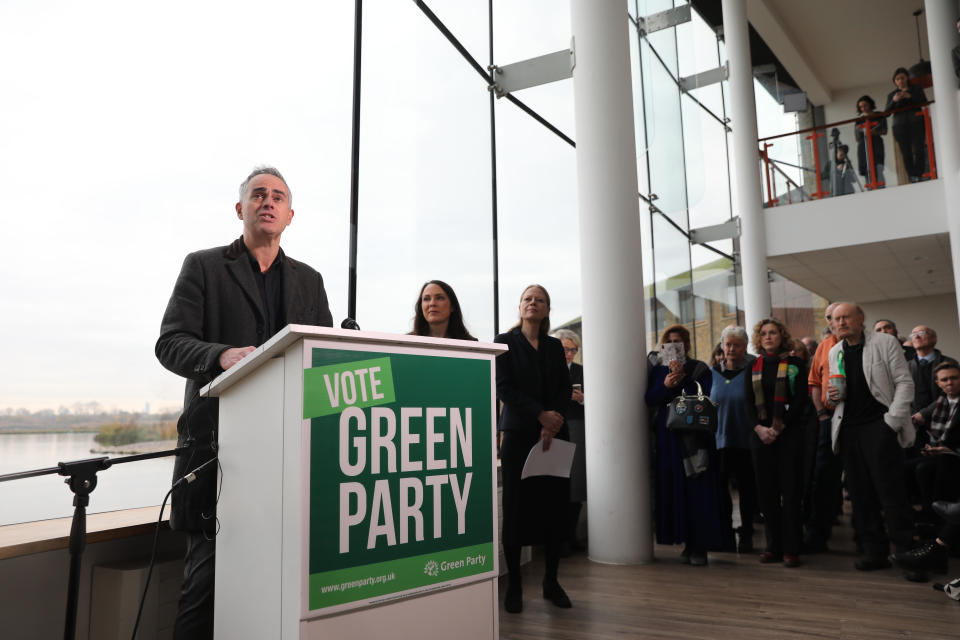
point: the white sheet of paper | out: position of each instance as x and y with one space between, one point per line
556 461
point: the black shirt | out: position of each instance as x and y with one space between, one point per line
860 406
270 284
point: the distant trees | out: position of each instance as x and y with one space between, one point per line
114 433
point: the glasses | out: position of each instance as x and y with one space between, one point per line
570 350
919 334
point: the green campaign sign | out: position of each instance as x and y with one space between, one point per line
401 484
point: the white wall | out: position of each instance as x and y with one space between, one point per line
938 312
873 216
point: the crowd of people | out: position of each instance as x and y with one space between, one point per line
799 421
794 420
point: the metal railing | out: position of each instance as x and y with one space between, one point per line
836 170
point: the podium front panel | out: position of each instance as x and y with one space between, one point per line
399 488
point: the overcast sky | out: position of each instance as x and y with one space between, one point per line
127 130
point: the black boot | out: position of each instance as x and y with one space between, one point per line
553 592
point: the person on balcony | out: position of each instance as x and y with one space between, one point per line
839 175
908 126
877 125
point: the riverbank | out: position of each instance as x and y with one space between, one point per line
21 430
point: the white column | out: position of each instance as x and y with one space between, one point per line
614 350
747 195
945 117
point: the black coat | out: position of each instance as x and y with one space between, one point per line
907 116
576 377
216 305
530 381
925 390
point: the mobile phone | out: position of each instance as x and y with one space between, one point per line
578 386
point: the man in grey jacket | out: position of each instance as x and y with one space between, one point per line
872 389
226 302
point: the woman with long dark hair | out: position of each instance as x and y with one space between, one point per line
437 313
776 401
533 384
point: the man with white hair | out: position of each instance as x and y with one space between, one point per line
871 387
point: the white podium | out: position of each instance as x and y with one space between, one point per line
358 488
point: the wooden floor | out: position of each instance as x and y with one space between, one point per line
734 597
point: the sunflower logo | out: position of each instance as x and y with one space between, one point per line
431 568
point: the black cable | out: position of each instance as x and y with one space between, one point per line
190 477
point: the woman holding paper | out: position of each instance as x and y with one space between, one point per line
688 507
533 384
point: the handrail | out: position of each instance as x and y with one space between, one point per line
877 114
772 200
864 123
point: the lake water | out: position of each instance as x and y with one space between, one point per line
123 486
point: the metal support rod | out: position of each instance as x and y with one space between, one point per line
82 479
355 163
771 201
816 155
931 157
875 181
493 184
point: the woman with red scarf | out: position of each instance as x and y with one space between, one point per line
776 398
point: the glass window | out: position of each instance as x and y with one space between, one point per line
671 254
708 187
665 139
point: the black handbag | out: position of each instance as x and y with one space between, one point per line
692 413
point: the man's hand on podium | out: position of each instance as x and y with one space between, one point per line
232 356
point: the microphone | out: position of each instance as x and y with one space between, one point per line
350 323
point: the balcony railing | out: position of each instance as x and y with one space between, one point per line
849 156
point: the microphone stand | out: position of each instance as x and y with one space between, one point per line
81 477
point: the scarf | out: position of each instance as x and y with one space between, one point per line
779 391
940 419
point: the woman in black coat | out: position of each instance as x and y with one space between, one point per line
908 127
534 386
877 125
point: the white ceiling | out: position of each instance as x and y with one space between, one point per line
844 43
903 268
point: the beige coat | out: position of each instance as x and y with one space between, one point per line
888 379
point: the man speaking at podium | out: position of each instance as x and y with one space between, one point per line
226 302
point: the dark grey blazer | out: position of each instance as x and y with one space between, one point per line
216 305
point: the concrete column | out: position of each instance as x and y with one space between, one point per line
747 194
614 349
945 116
